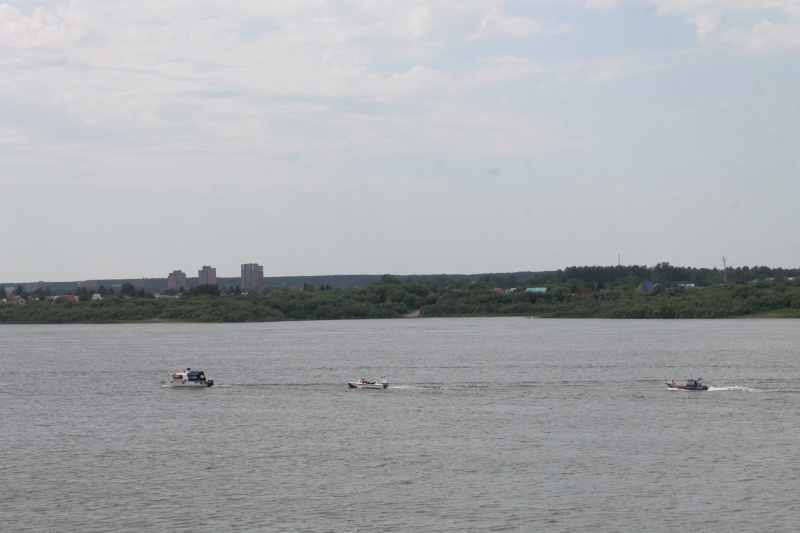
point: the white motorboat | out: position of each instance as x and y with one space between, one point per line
188 379
367 384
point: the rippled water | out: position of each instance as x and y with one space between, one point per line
488 425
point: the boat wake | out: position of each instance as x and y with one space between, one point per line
271 385
431 387
736 388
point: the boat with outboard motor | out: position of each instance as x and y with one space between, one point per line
691 384
187 379
367 384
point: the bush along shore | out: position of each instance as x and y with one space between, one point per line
393 298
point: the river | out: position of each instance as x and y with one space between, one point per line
488 424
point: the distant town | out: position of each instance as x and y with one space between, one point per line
251 279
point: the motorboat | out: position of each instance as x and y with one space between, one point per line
692 384
188 379
367 384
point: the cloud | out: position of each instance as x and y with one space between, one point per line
504 68
283 90
778 32
603 70
420 21
13 22
602 5
765 37
497 22
690 6
705 22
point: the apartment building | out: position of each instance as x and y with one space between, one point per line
252 277
207 276
176 280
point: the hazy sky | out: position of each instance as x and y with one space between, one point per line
396 136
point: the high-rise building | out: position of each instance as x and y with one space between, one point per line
252 276
176 280
207 276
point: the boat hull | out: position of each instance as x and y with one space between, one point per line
189 385
357 385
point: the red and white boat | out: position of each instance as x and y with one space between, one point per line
367 384
187 379
692 384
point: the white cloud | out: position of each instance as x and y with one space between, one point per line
705 22
766 36
497 22
778 32
503 68
602 5
420 20
18 29
412 84
603 70
690 6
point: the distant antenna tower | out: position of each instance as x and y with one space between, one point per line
618 261
725 268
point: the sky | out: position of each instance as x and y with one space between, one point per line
321 137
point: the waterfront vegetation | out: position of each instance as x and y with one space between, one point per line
567 296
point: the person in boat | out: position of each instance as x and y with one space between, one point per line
694 384
673 381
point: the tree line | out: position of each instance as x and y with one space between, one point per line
570 294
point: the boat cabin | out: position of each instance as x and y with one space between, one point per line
196 375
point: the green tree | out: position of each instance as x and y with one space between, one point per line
83 294
127 289
20 291
39 294
207 288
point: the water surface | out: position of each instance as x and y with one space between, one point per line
491 424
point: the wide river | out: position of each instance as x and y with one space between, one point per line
489 424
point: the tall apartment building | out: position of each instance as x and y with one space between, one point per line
207 276
176 280
252 276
